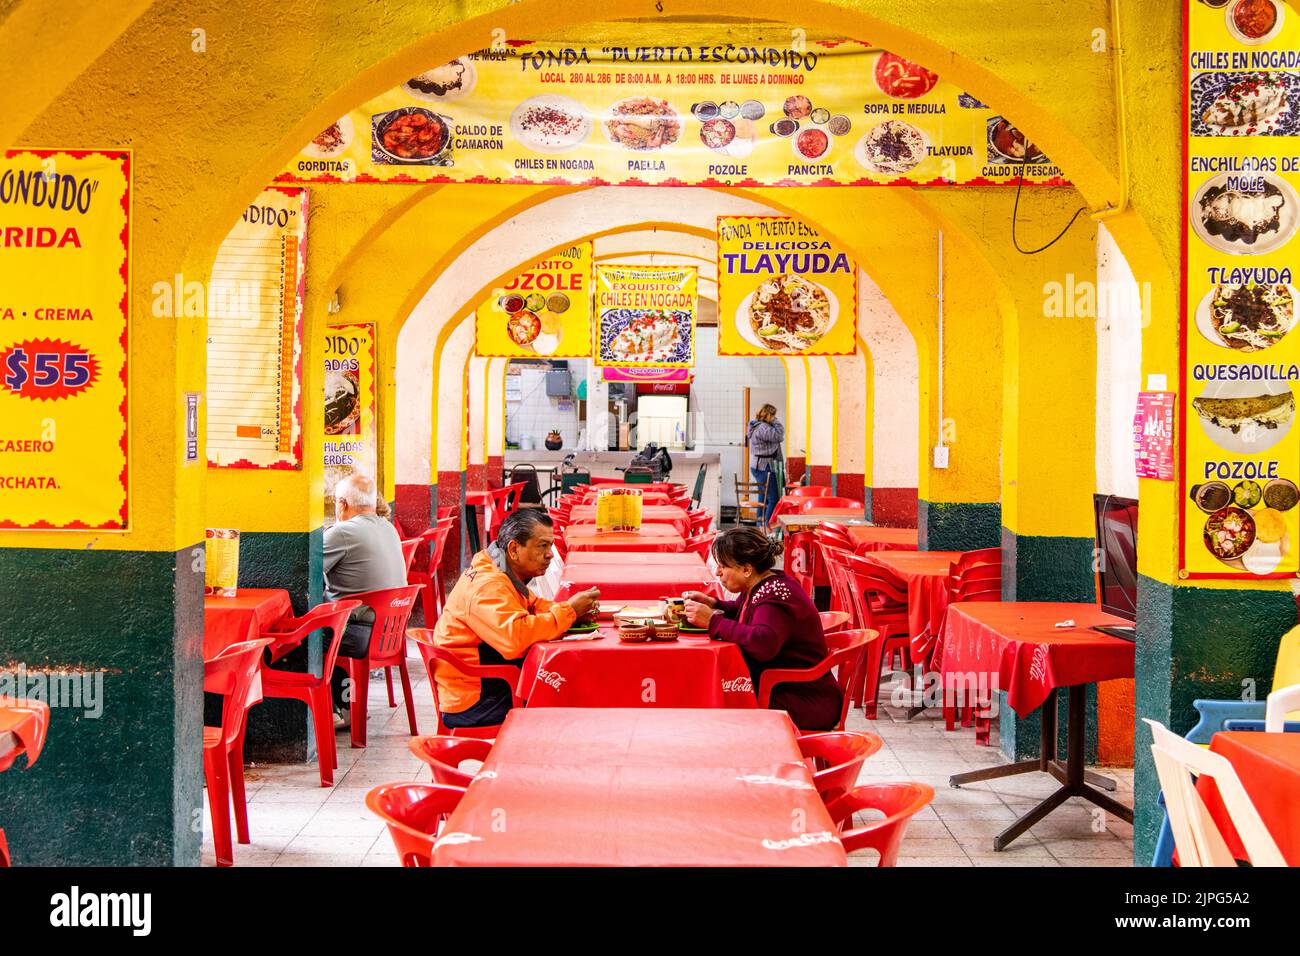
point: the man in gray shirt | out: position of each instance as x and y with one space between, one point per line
362 553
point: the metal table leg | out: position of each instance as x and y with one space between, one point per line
1075 780
471 527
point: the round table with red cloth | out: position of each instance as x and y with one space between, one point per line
1015 646
642 787
229 620
927 575
670 515
692 671
1268 766
23 725
867 538
681 559
632 581
649 537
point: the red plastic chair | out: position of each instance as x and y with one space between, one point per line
982 556
833 621
809 491
35 730
433 655
312 690
899 802
501 502
838 531
414 813
431 598
880 602
701 544
444 756
832 563
837 759
845 652
231 674
818 503
409 546
392 607
700 521
446 511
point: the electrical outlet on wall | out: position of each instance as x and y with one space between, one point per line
941 456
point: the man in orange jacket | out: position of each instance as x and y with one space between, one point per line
492 618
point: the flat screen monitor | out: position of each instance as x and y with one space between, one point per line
1116 523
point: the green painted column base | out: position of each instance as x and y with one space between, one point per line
1045 568
958 525
116 639
280 731
1196 643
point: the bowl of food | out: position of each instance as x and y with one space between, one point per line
1255 22
1229 533
411 135
634 632
664 632
1211 496
1281 494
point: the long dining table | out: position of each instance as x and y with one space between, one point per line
641 787
927 575
649 537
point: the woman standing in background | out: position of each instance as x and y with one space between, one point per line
765 437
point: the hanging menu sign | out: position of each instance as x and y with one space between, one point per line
783 289
714 110
255 336
349 445
646 315
65 242
1153 435
1239 449
544 310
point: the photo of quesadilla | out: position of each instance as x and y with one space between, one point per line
1246 424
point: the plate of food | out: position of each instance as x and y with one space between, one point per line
645 335
891 147
642 123
1229 533
451 81
1245 214
333 140
1245 418
550 123
903 79
410 135
1255 22
1006 144
1244 104
786 314
1246 317
731 137
640 612
687 629
582 627
342 403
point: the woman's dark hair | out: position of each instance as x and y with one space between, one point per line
741 546
520 526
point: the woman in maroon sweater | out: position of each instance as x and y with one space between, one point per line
774 623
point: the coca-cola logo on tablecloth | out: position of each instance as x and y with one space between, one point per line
738 685
803 839
768 779
550 678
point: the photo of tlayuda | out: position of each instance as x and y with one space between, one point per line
620 437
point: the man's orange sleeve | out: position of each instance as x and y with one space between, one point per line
498 617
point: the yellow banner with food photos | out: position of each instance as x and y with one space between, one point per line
784 289
734 105
645 315
349 444
1240 451
543 310
65 241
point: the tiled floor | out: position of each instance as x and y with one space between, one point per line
296 822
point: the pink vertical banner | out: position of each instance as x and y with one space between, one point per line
1153 435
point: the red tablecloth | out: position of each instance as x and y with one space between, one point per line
693 671
23 725
229 620
1018 642
1268 766
618 787
681 559
670 515
871 538
667 487
927 575
636 582
650 537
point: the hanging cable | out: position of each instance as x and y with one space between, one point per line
1015 214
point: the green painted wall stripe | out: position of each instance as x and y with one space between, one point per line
958 526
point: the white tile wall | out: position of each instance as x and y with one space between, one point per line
537 413
717 399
